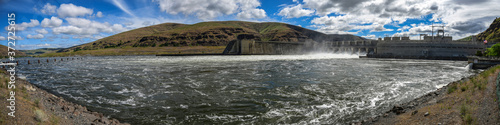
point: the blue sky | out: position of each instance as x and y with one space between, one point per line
65 23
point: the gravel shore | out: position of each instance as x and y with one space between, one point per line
471 100
36 106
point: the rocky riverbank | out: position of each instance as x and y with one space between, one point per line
36 106
471 100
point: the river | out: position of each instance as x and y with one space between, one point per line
250 89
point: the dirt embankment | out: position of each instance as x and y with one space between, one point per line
472 100
36 106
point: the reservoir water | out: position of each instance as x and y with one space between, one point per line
256 89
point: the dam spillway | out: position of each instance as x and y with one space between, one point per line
251 47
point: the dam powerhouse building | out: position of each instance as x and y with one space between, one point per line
431 47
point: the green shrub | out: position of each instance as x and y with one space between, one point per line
55 120
463 88
23 89
41 116
494 50
467 99
2 121
468 119
463 109
479 53
481 86
452 88
37 103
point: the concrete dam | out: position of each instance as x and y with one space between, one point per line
390 47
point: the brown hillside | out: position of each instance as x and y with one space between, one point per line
4 52
492 34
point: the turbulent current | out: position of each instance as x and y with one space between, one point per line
259 89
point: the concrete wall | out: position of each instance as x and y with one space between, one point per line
428 49
353 47
438 39
251 47
276 48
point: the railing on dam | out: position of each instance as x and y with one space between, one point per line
352 43
421 44
438 42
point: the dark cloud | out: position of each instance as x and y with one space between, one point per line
375 8
468 27
384 15
386 9
344 5
422 30
469 2
389 2
347 5
434 7
398 11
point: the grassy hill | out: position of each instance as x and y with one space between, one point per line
469 38
492 34
4 52
179 37
41 51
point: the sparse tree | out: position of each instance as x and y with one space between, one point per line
494 50
479 53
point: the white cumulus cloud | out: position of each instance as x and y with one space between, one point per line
42 31
71 30
37 36
349 22
208 10
16 37
84 28
48 9
373 37
52 22
2 38
252 14
25 25
99 14
70 10
295 11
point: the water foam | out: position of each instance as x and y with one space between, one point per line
246 89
